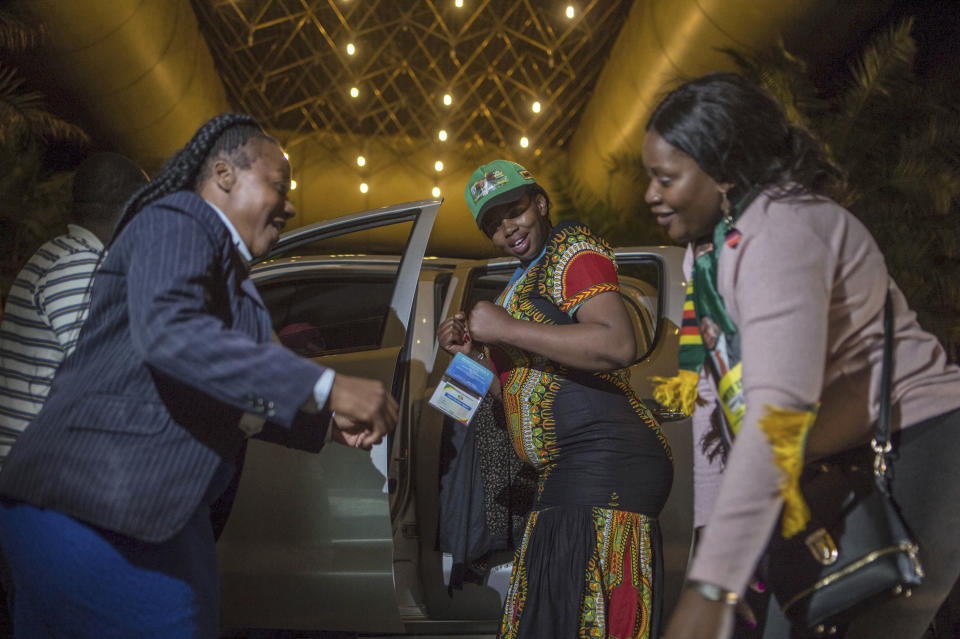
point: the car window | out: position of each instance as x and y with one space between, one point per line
441 286
328 313
487 283
640 281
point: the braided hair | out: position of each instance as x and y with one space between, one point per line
226 134
738 133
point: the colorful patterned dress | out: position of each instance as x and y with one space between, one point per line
589 563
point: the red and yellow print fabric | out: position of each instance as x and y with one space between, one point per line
586 273
618 580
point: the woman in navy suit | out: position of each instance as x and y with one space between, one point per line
104 517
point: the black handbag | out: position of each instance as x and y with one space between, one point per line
856 551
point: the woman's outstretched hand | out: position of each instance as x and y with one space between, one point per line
696 617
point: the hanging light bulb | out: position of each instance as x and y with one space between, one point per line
442 135
438 166
535 107
351 49
293 185
458 4
570 12
436 191
524 142
447 99
361 161
354 92
363 187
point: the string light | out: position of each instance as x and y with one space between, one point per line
363 187
570 12
524 142
351 49
354 92
447 99
535 107
438 166
361 160
442 135
436 191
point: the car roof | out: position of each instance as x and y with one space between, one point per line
430 261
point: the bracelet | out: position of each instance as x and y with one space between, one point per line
714 593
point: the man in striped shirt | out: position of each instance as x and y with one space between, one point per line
48 301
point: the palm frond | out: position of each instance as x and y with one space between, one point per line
899 140
17 34
24 114
621 227
785 77
883 78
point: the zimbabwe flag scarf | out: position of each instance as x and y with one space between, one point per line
708 335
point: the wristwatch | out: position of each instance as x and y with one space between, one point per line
714 593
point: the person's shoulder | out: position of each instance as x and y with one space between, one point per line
50 252
175 207
171 218
187 202
570 233
77 244
800 213
788 229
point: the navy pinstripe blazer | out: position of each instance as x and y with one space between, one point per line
176 348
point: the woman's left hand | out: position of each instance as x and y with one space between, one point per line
488 322
696 617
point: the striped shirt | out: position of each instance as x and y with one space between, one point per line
46 307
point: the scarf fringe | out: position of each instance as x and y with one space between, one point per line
677 393
786 431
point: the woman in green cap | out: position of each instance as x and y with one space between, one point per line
559 340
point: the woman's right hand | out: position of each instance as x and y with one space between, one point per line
452 335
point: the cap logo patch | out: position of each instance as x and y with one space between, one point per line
490 182
525 174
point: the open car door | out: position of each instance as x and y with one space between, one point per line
308 544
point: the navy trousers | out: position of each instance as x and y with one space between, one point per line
74 580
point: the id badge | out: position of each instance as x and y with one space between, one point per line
461 389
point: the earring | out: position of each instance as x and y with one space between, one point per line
726 208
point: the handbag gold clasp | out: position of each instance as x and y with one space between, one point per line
822 547
880 453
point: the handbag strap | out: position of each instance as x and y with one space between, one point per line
881 440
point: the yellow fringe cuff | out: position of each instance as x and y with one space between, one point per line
786 431
677 393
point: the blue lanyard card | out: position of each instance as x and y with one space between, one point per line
461 389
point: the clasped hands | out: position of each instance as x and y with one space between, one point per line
363 411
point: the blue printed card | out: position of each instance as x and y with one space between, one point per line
470 373
461 389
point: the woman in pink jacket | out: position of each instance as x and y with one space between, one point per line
791 287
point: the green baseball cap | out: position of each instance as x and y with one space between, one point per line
499 182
